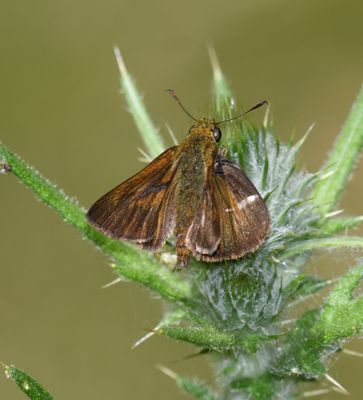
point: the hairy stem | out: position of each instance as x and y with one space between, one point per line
342 159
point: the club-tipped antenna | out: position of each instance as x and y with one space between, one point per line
176 98
258 105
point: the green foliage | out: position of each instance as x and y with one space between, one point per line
234 310
191 386
27 384
149 133
222 92
322 331
342 159
343 306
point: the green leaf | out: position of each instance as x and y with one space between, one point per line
221 89
148 131
336 225
300 353
193 387
206 336
342 315
342 159
27 384
297 248
320 332
261 388
303 286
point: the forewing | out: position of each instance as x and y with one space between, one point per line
242 215
141 209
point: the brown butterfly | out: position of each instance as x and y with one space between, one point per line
193 192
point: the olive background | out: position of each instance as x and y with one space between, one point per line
61 110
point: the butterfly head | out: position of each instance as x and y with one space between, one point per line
207 129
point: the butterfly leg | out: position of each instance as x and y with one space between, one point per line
183 254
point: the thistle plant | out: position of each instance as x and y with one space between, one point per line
235 312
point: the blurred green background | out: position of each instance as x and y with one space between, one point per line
61 110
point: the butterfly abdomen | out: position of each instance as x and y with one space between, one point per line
194 170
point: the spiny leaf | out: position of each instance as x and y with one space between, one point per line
303 286
297 248
342 315
336 225
208 337
149 133
342 159
27 384
261 388
221 90
319 333
193 387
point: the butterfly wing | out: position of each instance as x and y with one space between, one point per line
237 220
141 209
204 235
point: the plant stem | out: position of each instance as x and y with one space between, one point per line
342 159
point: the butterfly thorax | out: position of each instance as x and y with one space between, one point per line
194 172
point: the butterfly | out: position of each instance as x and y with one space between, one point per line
192 191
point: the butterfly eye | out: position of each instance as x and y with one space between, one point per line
217 134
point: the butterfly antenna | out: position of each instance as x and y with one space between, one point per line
176 98
258 105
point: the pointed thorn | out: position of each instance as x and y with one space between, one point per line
146 156
336 384
120 61
317 392
287 321
117 280
333 213
352 353
332 281
305 136
143 339
171 374
171 133
266 116
217 72
327 175
311 127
